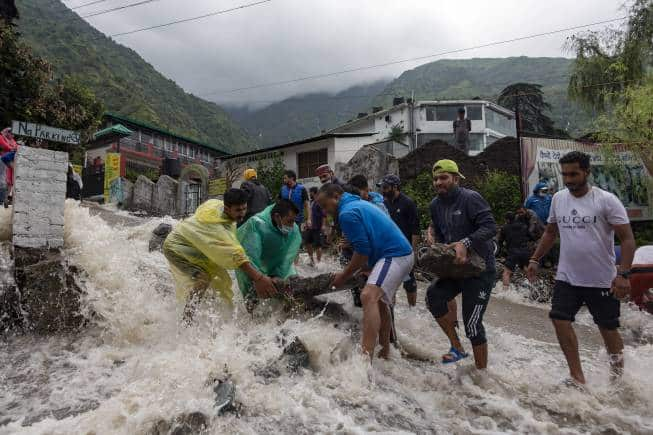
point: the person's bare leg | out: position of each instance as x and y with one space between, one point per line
615 347
386 329
412 298
506 278
480 355
370 296
448 327
194 296
309 250
319 254
569 345
452 314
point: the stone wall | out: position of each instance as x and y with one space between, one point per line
143 194
502 155
39 196
369 161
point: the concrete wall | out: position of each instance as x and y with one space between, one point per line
39 196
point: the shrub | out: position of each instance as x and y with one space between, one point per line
502 191
271 174
420 190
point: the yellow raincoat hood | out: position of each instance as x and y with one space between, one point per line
207 241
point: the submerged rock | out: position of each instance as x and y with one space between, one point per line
293 359
159 235
438 260
184 424
225 396
47 297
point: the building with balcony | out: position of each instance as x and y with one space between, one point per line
147 149
416 123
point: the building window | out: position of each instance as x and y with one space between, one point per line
442 113
158 142
308 162
474 113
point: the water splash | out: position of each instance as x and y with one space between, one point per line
136 365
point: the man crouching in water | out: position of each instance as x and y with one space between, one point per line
379 246
203 247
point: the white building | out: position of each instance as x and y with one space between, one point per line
424 121
306 155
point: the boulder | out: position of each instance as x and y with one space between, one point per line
185 424
310 286
225 396
49 298
165 196
293 360
438 260
143 194
159 235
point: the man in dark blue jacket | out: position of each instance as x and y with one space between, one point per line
540 202
462 218
379 248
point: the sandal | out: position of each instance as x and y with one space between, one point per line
454 355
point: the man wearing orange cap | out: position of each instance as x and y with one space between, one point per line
326 175
258 196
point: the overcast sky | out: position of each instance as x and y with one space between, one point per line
287 39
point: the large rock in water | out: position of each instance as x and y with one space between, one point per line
165 196
159 235
307 287
143 194
438 260
49 296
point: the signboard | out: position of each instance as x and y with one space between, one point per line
217 186
111 173
629 180
40 131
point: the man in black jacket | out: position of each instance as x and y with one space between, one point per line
462 218
515 235
258 195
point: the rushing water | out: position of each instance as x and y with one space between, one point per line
136 365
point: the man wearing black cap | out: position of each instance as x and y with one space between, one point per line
461 128
403 212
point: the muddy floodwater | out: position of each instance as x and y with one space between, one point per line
135 366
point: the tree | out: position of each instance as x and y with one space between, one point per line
612 74
610 60
528 98
396 133
29 92
270 174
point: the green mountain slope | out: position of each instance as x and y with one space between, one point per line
125 82
485 78
306 115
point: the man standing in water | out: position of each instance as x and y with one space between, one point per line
462 218
586 219
203 247
403 212
271 240
379 247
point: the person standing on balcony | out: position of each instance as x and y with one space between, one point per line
258 195
461 128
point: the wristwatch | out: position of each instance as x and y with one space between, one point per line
625 274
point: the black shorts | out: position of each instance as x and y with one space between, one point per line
476 296
517 259
567 300
313 237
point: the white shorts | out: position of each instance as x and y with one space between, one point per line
389 273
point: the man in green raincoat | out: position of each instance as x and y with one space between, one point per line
271 240
203 247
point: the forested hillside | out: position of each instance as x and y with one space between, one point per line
120 78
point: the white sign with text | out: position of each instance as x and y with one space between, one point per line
44 132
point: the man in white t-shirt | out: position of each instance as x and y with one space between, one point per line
586 218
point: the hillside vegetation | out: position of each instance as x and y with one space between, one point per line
120 78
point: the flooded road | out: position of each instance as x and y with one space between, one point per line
136 366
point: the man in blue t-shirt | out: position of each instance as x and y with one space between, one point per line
296 193
381 250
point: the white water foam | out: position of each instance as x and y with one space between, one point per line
136 365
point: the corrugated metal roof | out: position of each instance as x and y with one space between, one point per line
116 129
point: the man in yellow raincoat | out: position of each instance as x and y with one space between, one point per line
271 240
203 247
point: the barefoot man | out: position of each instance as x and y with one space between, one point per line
380 247
586 219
